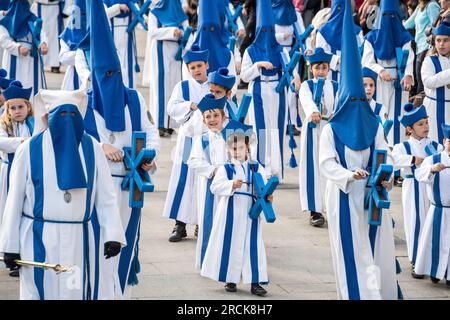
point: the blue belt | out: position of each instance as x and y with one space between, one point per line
440 206
409 176
55 221
246 194
438 100
6 162
117 176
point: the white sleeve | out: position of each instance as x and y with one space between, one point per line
153 141
401 158
112 11
409 70
249 70
12 216
66 56
178 108
424 174
7 43
8 144
368 58
160 33
306 101
82 69
431 79
329 163
197 161
220 185
106 200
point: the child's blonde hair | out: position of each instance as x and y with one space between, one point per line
7 123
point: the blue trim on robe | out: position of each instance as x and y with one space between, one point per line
13 67
440 100
437 220
208 211
259 121
185 90
281 126
161 83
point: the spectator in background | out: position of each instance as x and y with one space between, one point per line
310 9
250 12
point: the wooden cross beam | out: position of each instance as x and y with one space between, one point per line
288 69
138 14
262 191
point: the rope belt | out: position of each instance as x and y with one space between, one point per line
55 221
440 206
438 100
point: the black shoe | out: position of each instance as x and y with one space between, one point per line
14 273
163 132
196 230
316 219
258 290
296 132
434 280
415 275
447 282
242 85
398 182
230 287
178 233
55 70
170 131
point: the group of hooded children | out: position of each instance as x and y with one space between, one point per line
216 156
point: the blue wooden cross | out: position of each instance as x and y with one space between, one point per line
430 149
387 125
288 68
243 109
35 31
317 97
232 18
402 59
182 43
262 191
137 180
377 198
300 39
138 14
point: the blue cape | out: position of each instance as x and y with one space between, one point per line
76 30
391 34
265 47
66 129
16 19
332 30
354 122
284 12
212 35
169 13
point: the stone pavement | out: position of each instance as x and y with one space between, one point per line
299 256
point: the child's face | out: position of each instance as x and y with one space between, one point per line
442 44
369 87
420 129
447 145
238 150
198 70
217 91
18 110
214 119
320 70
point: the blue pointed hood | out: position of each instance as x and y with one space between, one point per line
108 90
16 19
390 33
4 4
169 13
332 30
265 46
284 12
212 35
76 30
354 122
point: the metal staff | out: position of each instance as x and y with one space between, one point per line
55 267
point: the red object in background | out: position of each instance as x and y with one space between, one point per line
298 4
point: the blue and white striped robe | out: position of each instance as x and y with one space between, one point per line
236 247
364 270
433 255
40 225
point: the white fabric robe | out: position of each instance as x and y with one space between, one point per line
204 161
50 11
180 200
270 139
413 219
383 111
24 71
433 255
83 69
431 82
123 139
385 93
312 183
63 242
67 57
360 274
161 70
244 233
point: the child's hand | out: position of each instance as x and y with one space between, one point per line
24 51
43 48
112 153
193 106
360 174
316 117
385 76
438 167
148 166
387 184
269 198
418 161
124 8
407 82
265 64
237 183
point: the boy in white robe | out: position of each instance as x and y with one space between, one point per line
370 86
182 107
436 81
312 185
409 156
208 154
433 258
114 113
20 60
363 255
59 178
236 248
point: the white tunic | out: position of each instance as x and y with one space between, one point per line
385 91
180 201
434 82
433 255
120 140
361 273
209 152
236 247
62 242
312 183
413 192
161 71
67 57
